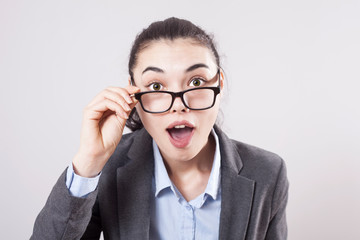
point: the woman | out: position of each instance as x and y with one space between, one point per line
177 175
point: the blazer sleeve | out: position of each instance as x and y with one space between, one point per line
64 216
277 229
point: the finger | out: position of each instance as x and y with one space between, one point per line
96 111
109 93
122 92
119 98
132 89
126 92
129 88
96 99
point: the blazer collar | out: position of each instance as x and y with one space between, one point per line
237 191
136 193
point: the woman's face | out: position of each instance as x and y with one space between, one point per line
176 66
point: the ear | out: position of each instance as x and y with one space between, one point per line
222 79
129 80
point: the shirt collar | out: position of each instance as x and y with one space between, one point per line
213 185
162 180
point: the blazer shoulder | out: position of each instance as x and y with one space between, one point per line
260 164
253 153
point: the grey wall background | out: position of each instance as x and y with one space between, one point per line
293 88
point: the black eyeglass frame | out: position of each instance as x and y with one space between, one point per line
174 95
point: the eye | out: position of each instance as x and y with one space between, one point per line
155 86
196 82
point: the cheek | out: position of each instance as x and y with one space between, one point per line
151 122
212 114
143 115
206 119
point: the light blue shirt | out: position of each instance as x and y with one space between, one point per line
172 216
80 186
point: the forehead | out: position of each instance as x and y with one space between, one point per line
177 54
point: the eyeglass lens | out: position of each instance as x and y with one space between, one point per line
194 99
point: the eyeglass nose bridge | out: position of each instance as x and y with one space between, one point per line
176 95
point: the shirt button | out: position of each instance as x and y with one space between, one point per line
188 208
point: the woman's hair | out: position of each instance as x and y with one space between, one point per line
171 29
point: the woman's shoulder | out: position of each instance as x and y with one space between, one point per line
251 161
261 165
246 153
257 155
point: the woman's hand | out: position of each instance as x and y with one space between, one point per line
102 128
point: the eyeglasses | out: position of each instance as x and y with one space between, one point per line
200 98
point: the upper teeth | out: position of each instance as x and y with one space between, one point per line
180 126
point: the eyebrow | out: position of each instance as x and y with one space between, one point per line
189 69
196 66
155 69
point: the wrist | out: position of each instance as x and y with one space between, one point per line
86 166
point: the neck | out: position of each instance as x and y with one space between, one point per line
201 163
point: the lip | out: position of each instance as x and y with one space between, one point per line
177 123
182 143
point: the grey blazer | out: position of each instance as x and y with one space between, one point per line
254 190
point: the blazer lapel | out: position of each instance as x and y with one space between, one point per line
135 193
134 182
236 192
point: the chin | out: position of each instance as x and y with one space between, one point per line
182 154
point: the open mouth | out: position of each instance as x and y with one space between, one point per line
180 134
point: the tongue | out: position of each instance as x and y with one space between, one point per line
180 133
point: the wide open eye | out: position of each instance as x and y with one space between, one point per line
155 86
196 82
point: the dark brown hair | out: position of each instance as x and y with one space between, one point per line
171 28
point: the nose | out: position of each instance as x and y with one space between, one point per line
178 106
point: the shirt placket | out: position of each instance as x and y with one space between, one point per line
188 221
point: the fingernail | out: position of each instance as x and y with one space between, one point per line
127 108
128 100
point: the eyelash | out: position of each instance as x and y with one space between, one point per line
151 84
202 81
